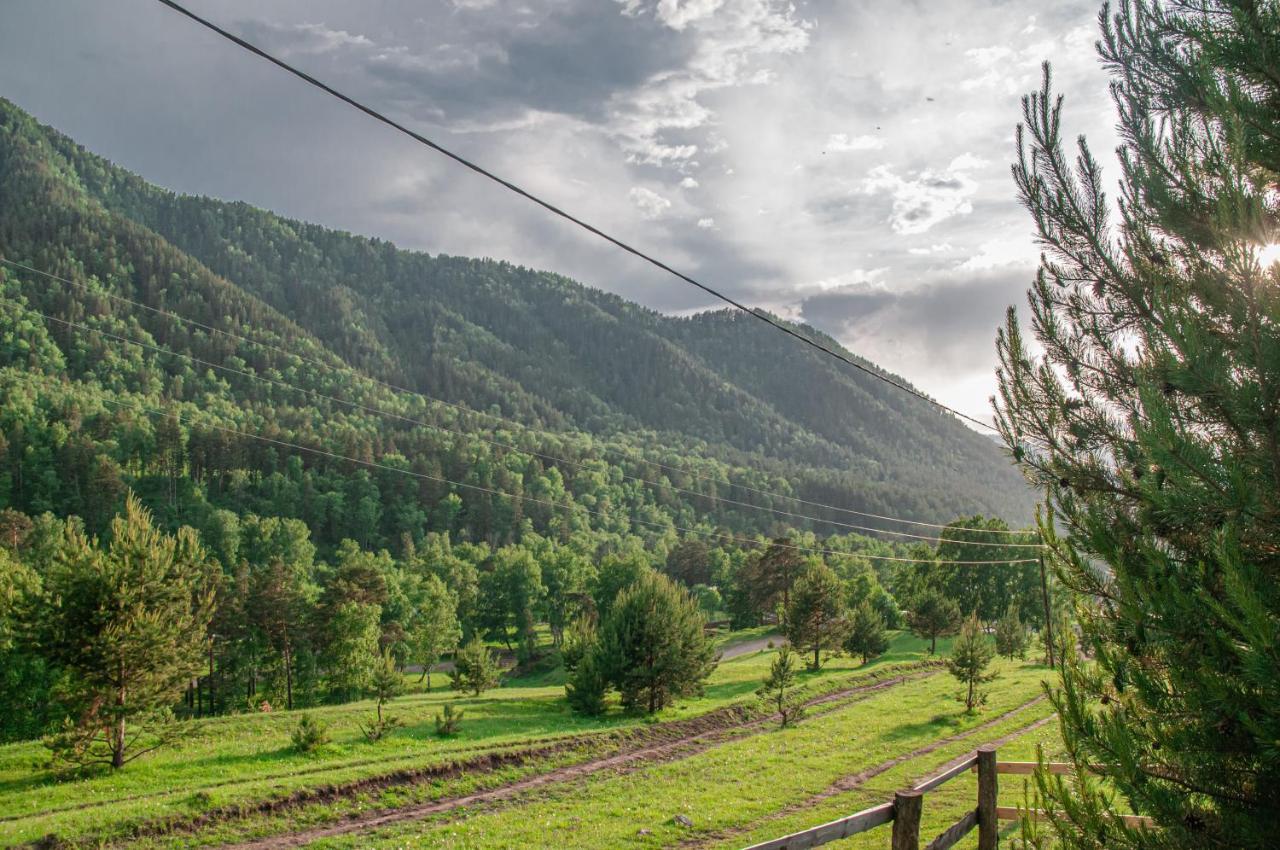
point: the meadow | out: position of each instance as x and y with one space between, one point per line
713 771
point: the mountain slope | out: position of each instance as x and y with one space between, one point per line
717 391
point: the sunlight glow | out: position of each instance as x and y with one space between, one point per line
1269 254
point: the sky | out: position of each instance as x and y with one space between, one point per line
840 162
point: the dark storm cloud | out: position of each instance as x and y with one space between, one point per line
567 59
951 318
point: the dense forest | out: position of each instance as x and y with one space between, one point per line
335 420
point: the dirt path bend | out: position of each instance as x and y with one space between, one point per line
625 760
748 647
853 781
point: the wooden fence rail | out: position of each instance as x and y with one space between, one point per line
905 809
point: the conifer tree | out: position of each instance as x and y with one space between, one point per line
587 685
932 616
778 687
817 619
866 638
127 623
1151 420
474 668
386 684
970 657
652 646
1011 634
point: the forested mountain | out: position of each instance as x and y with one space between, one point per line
716 398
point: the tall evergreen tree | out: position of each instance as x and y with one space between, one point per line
127 622
817 619
1151 420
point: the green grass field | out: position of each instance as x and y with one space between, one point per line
746 785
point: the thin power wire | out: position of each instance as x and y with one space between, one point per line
472 412
497 443
378 116
520 498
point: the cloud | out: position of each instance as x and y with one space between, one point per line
706 223
303 39
653 122
842 143
650 203
961 314
688 183
926 198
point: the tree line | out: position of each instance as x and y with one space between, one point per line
183 630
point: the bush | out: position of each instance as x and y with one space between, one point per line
310 734
449 723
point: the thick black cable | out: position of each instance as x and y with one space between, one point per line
547 205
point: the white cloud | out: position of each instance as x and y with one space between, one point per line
650 203
926 199
842 143
928 250
999 254
306 38
688 183
727 39
706 223
852 279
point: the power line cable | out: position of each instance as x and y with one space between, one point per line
472 412
533 499
547 205
497 443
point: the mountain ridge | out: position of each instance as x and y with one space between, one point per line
528 345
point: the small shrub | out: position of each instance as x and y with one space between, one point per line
450 723
378 727
310 734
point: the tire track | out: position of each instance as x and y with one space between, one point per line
853 781
621 762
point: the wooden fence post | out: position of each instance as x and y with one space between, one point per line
988 790
907 807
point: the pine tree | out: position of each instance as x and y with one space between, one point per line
817 619
777 688
474 668
932 616
1151 421
587 685
651 644
1011 634
386 684
127 623
971 654
866 637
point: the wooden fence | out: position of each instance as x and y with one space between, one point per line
905 809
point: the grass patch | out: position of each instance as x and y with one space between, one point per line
242 760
